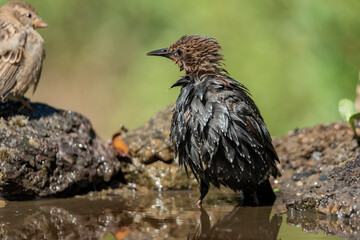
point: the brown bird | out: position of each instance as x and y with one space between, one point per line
22 50
216 127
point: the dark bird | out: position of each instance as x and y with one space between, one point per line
22 50
216 127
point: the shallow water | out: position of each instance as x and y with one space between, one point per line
146 215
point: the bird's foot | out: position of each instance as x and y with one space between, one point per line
204 188
25 104
198 203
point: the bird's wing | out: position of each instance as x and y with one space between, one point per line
231 123
249 133
12 42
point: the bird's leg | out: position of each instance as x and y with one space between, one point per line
25 103
262 195
250 197
204 188
265 194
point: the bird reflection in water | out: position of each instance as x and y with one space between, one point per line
240 223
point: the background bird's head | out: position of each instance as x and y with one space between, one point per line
194 54
25 14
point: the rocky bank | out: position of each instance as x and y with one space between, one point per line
48 152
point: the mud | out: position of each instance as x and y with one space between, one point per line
321 170
321 179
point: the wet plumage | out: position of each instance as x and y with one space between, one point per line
22 49
216 128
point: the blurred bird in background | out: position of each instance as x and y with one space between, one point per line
216 127
22 50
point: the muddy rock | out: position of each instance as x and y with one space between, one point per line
50 152
321 170
153 163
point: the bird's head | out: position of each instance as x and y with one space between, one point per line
25 14
194 54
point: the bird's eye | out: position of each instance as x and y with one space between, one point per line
179 51
29 15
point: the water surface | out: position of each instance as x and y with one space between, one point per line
145 214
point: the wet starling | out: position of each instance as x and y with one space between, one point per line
216 127
22 50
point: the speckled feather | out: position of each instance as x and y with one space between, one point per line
22 50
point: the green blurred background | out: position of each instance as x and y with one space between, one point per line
297 57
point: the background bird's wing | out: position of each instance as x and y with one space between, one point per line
12 42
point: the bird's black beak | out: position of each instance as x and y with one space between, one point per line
161 52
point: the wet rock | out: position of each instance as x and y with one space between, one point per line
301 176
325 159
50 152
150 142
159 175
339 194
323 177
153 163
